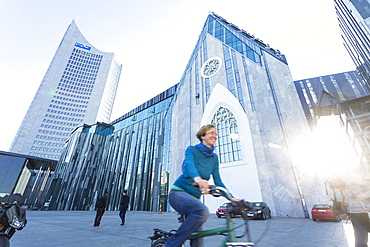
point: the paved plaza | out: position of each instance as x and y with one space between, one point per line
75 228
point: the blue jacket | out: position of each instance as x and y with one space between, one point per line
197 164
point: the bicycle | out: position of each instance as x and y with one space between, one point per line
160 237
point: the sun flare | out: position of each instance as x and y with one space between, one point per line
327 151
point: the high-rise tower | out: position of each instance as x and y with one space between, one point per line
354 22
78 87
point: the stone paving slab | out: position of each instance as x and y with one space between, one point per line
75 228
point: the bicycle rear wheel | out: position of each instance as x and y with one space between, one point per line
159 242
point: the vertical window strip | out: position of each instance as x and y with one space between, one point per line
221 140
312 92
210 26
229 70
323 84
219 32
191 75
251 99
237 80
206 80
336 86
353 85
225 143
205 51
208 89
234 129
305 94
197 98
361 82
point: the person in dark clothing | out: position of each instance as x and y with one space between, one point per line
123 206
100 208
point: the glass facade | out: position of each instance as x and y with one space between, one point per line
239 40
25 179
325 91
223 34
11 167
354 22
355 119
130 153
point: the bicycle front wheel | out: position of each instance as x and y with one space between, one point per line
159 243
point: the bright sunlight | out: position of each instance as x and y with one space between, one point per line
327 151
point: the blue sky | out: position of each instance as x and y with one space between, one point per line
153 39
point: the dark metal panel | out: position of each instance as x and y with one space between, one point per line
345 86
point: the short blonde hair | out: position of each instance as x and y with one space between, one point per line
202 131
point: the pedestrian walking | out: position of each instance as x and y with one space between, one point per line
354 189
125 200
358 199
100 208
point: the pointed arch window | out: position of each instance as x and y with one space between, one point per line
228 145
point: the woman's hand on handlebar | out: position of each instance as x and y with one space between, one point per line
202 184
235 199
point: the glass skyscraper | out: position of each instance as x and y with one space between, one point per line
354 22
79 87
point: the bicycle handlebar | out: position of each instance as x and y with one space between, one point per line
216 191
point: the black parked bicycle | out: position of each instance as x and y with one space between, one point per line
12 219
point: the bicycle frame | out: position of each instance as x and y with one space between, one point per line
228 230
231 236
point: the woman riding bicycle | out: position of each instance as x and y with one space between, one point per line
199 164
